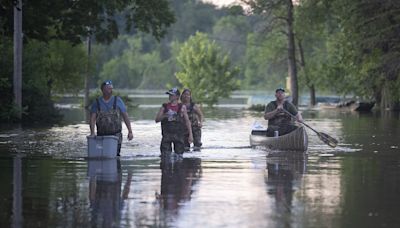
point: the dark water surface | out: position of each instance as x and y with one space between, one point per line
46 180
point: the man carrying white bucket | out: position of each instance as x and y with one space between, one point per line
106 113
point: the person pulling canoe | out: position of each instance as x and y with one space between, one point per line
278 119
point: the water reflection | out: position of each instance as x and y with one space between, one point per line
105 193
177 181
17 218
284 173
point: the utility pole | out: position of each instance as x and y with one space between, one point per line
87 78
17 76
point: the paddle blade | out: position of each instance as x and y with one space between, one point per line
330 141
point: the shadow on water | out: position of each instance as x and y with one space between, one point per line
284 172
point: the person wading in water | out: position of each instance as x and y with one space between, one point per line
106 113
196 118
174 123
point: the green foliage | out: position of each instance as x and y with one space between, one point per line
368 41
134 69
38 106
55 67
230 33
70 20
65 66
206 70
266 64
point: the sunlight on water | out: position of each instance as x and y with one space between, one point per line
226 184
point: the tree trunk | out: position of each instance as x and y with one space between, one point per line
313 100
292 70
87 78
17 76
310 85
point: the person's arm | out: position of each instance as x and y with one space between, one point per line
270 112
124 113
92 123
198 111
128 125
187 122
299 117
293 110
160 115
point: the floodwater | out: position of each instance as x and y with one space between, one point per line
47 181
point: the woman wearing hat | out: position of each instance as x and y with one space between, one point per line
174 122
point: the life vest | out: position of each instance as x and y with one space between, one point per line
175 122
281 118
108 122
194 120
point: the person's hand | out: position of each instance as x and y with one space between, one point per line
130 136
92 134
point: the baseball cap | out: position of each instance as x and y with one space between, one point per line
106 82
173 91
280 89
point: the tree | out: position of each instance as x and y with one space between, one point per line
86 19
72 20
230 33
279 14
265 62
133 68
313 26
206 70
369 48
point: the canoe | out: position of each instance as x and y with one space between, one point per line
296 140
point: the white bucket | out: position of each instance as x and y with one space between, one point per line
102 146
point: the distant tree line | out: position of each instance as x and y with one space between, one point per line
350 48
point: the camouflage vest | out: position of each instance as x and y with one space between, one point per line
194 120
108 122
174 124
281 118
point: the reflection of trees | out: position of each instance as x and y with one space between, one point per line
370 191
285 169
177 181
105 191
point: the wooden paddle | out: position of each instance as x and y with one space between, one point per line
329 140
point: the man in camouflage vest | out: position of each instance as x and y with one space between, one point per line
278 120
106 113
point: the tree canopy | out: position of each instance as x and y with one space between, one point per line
206 70
71 20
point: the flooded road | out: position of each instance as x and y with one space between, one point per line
47 181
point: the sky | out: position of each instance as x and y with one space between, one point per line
221 2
